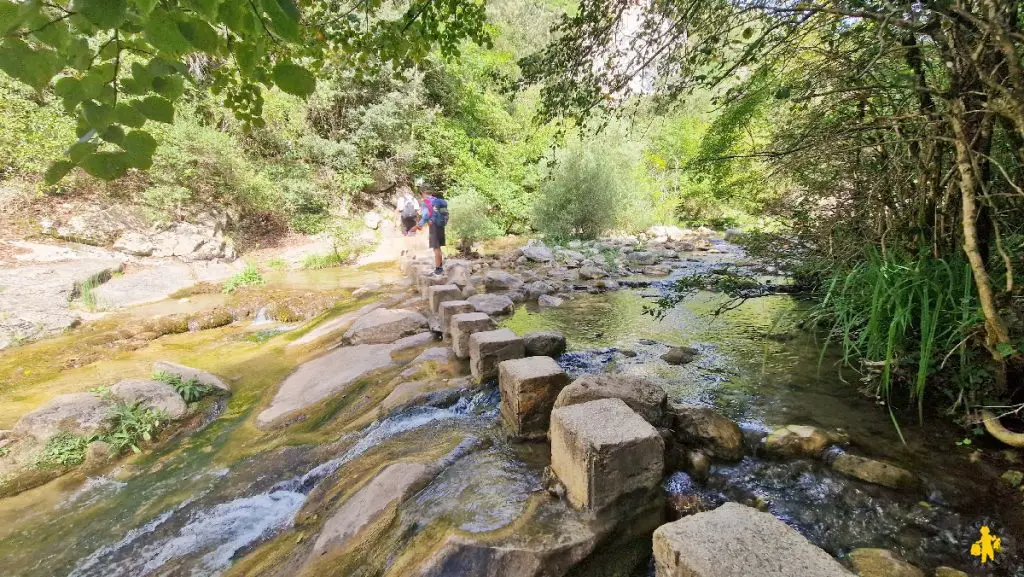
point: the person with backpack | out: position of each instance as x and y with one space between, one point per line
435 212
408 211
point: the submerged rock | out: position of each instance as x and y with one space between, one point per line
680 355
949 572
642 395
738 541
591 271
799 441
82 414
881 563
877 472
544 344
382 326
151 394
702 427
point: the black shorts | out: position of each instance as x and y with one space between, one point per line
436 236
407 223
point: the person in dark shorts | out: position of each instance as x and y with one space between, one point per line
434 212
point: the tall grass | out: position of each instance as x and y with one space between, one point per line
907 314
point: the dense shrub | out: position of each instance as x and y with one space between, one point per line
32 133
469 220
580 200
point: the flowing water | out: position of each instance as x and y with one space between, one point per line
233 499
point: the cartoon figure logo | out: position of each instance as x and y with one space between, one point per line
987 546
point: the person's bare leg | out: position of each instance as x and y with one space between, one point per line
437 258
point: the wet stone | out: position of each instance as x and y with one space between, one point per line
544 344
702 427
680 355
876 472
738 541
449 309
529 387
949 572
488 348
602 451
463 325
797 441
438 294
881 563
644 396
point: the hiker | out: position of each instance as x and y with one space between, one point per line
408 211
434 212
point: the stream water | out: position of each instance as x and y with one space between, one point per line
233 499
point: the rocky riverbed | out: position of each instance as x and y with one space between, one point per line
403 429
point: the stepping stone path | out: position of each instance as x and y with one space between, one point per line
489 348
463 326
643 395
738 541
449 309
529 387
603 451
438 294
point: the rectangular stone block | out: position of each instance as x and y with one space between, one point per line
438 294
529 388
429 280
449 309
738 541
602 451
465 324
488 348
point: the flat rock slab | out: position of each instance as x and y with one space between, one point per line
738 541
603 451
489 348
877 472
35 300
77 413
144 286
463 326
151 394
188 373
334 325
641 394
382 326
368 503
529 387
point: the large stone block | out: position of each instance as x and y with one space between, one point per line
488 348
602 451
463 325
529 388
738 541
449 309
428 280
641 394
438 294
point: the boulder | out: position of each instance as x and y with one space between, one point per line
188 373
438 294
385 326
680 355
492 304
876 472
458 275
602 451
738 541
449 309
536 251
798 441
544 344
642 258
642 395
463 325
548 301
499 280
592 271
97 454
135 244
881 563
489 348
76 413
155 395
529 387
538 289
468 291
391 485
702 427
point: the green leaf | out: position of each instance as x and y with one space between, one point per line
106 165
238 16
249 54
80 150
70 90
145 7
156 108
294 79
139 142
207 8
201 35
1005 349
14 14
162 32
57 171
79 54
113 133
33 66
47 31
782 93
283 18
105 14
170 87
127 115
98 116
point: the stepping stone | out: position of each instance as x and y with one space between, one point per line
465 324
429 280
488 348
603 451
529 388
738 541
438 294
449 309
